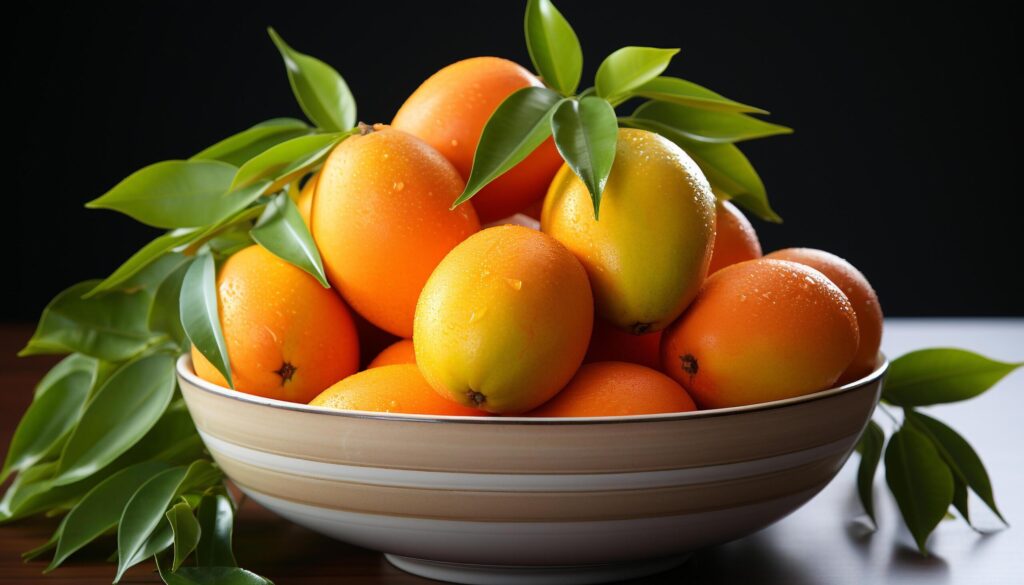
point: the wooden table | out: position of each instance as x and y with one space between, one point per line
820 543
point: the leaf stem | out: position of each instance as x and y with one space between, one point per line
889 413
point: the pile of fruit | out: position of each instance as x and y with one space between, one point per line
661 303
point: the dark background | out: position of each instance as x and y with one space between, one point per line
901 161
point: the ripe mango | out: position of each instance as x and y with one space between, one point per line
504 321
649 252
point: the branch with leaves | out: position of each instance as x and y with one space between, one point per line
585 126
107 441
929 467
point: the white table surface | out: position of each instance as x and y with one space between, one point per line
824 543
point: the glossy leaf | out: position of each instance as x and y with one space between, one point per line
124 409
241 147
516 128
31 555
143 514
586 132
75 362
725 167
153 251
161 539
173 193
960 499
962 459
321 92
100 510
164 313
212 576
186 532
52 414
629 68
870 447
919 480
200 317
216 518
709 126
554 48
202 475
940 375
281 162
284 234
172 440
110 327
681 91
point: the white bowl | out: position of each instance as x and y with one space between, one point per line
512 499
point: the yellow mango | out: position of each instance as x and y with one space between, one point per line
504 321
649 252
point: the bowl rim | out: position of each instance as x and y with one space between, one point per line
185 370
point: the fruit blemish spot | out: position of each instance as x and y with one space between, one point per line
689 364
286 371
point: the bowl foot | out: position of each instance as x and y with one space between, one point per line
533 575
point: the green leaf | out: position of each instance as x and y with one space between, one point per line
241 147
158 249
629 68
159 540
283 233
212 576
47 546
52 414
173 440
960 499
186 532
110 327
216 517
164 313
75 362
962 459
940 375
870 447
202 475
143 514
173 194
516 128
919 480
725 167
585 133
321 92
287 160
200 316
681 91
124 410
100 510
554 49
709 126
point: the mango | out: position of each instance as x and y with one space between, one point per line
504 321
649 252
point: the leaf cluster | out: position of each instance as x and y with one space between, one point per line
929 467
107 441
584 125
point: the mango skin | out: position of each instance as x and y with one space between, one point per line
504 321
649 252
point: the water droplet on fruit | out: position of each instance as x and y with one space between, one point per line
455 142
398 186
515 283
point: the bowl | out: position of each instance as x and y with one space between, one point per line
543 500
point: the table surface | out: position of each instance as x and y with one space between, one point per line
823 542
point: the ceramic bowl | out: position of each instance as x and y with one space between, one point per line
513 499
